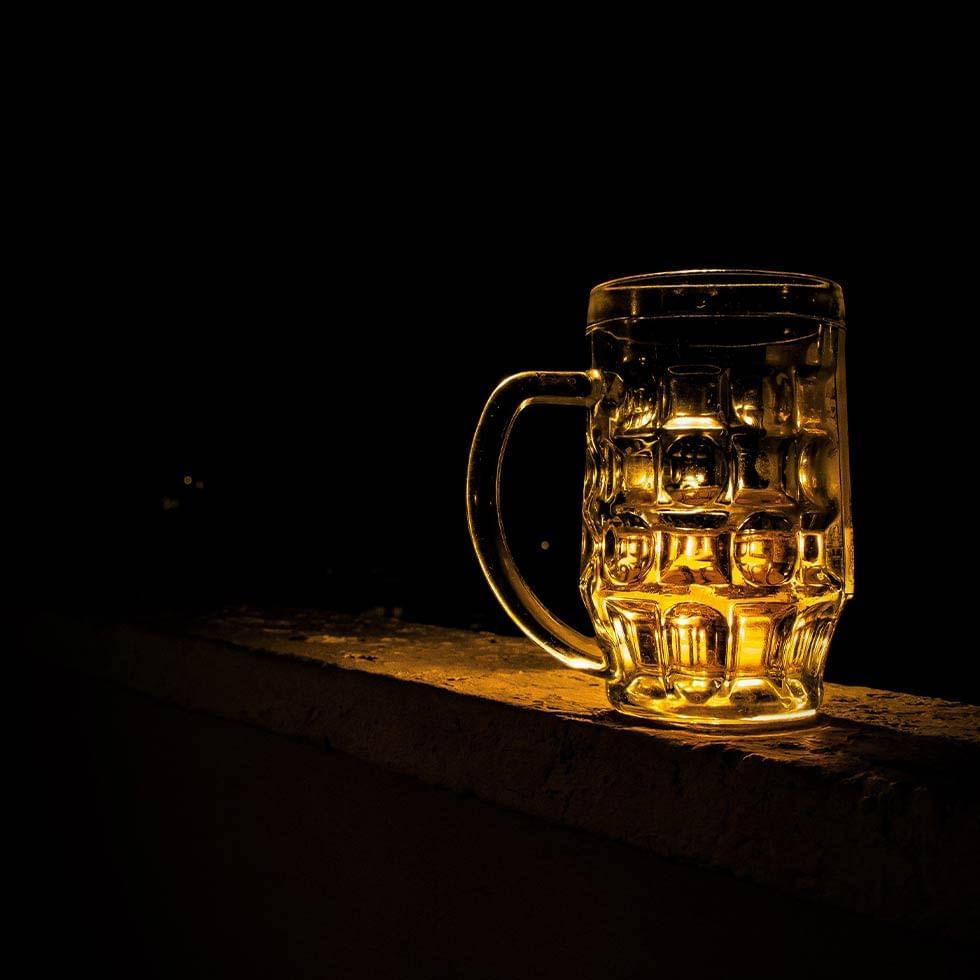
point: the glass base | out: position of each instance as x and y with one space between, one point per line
747 703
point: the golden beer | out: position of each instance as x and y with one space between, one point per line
717 548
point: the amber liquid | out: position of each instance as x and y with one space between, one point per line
717 557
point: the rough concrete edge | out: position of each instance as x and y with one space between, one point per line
890 850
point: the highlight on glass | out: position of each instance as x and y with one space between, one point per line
717 539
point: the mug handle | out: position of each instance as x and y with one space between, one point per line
508 400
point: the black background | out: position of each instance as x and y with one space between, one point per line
313 338
293 265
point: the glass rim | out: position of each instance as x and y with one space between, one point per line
716 293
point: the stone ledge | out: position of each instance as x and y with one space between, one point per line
875 809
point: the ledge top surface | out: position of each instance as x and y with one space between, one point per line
859 727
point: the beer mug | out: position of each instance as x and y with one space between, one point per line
717 548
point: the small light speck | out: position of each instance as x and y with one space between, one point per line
545 545
188 480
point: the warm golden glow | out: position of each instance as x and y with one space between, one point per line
715 582
718 545
692 422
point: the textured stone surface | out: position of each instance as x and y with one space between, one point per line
875 808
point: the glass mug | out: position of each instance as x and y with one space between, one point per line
717 544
